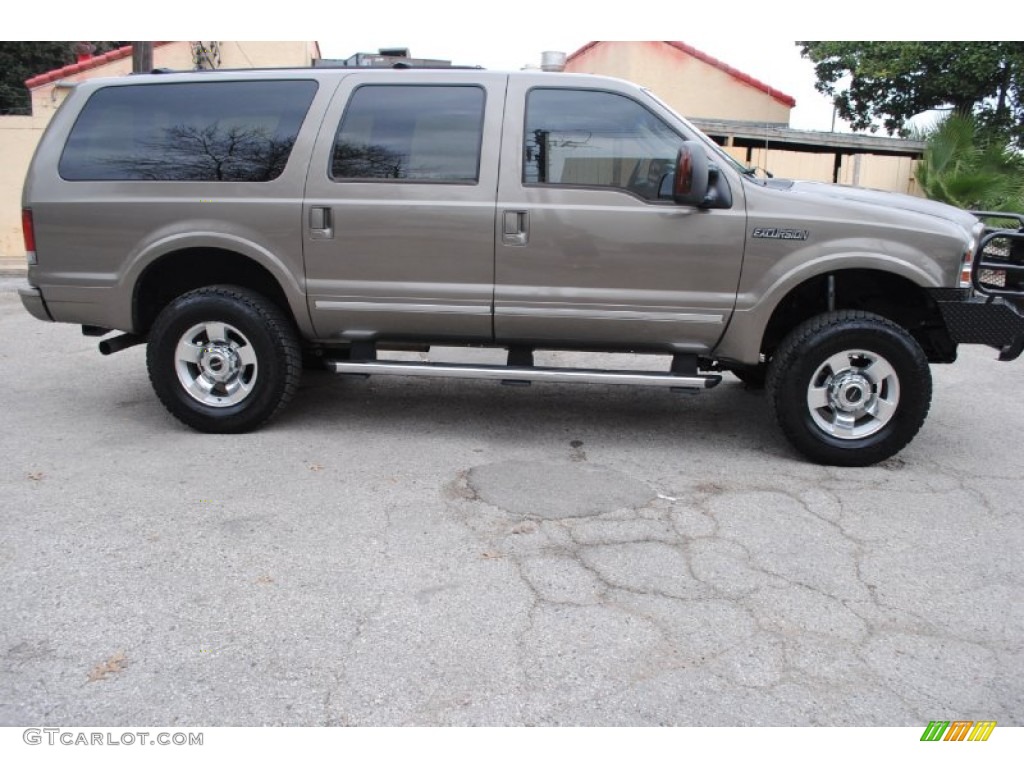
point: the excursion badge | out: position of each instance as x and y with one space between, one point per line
774 233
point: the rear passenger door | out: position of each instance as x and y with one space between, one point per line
398 217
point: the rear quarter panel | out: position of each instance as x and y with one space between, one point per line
94 238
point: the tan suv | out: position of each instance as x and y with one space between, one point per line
241 223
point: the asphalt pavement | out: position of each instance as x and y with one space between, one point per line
409 551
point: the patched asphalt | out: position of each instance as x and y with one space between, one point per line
407 551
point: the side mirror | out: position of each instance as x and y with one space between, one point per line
690 186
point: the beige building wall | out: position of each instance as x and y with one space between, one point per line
692 87
255 53
892 174
20 134
788 165
895 174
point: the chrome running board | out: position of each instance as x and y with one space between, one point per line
517 374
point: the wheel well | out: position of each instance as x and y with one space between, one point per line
891 296
182 271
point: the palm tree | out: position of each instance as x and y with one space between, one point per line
969 168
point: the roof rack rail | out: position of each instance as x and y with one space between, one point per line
342 65
397 65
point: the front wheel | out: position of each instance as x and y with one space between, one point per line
223 359
849 388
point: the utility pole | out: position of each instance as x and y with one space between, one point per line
142 57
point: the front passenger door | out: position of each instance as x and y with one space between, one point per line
588 253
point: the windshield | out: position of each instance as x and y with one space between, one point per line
719 153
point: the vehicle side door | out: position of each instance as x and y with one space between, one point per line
588 251
398 218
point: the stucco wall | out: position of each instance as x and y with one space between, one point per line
788 165
19 135
893 174
257 53
692 87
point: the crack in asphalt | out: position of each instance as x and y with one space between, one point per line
617 555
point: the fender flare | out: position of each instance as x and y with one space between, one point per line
292 286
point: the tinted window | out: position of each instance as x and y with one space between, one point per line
592 138
227 131
412 132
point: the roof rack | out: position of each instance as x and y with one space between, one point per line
329 64
385 58
340 65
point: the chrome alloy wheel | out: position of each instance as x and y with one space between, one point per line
853 394
216 364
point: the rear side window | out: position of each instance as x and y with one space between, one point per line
425 133
223 131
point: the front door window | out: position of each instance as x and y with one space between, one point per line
596 139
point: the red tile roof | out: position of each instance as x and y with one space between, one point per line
778 95
81 66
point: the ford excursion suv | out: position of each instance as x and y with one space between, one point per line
247 224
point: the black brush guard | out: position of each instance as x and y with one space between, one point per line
998 268
994 316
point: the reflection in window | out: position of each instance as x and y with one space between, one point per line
411 132
596 139
217 131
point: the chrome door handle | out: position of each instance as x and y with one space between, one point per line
515 227
321 223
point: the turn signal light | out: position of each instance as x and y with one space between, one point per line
966 268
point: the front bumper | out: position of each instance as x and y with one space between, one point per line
32 300
990 320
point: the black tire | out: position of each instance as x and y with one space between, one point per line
753 376
870 377
230 384
313 360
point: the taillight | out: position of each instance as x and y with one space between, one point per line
29 231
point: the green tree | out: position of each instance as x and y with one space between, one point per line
970 167
20 61
884 84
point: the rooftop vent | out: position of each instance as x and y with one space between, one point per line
552 61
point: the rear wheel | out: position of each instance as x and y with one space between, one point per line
223 359
849 388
